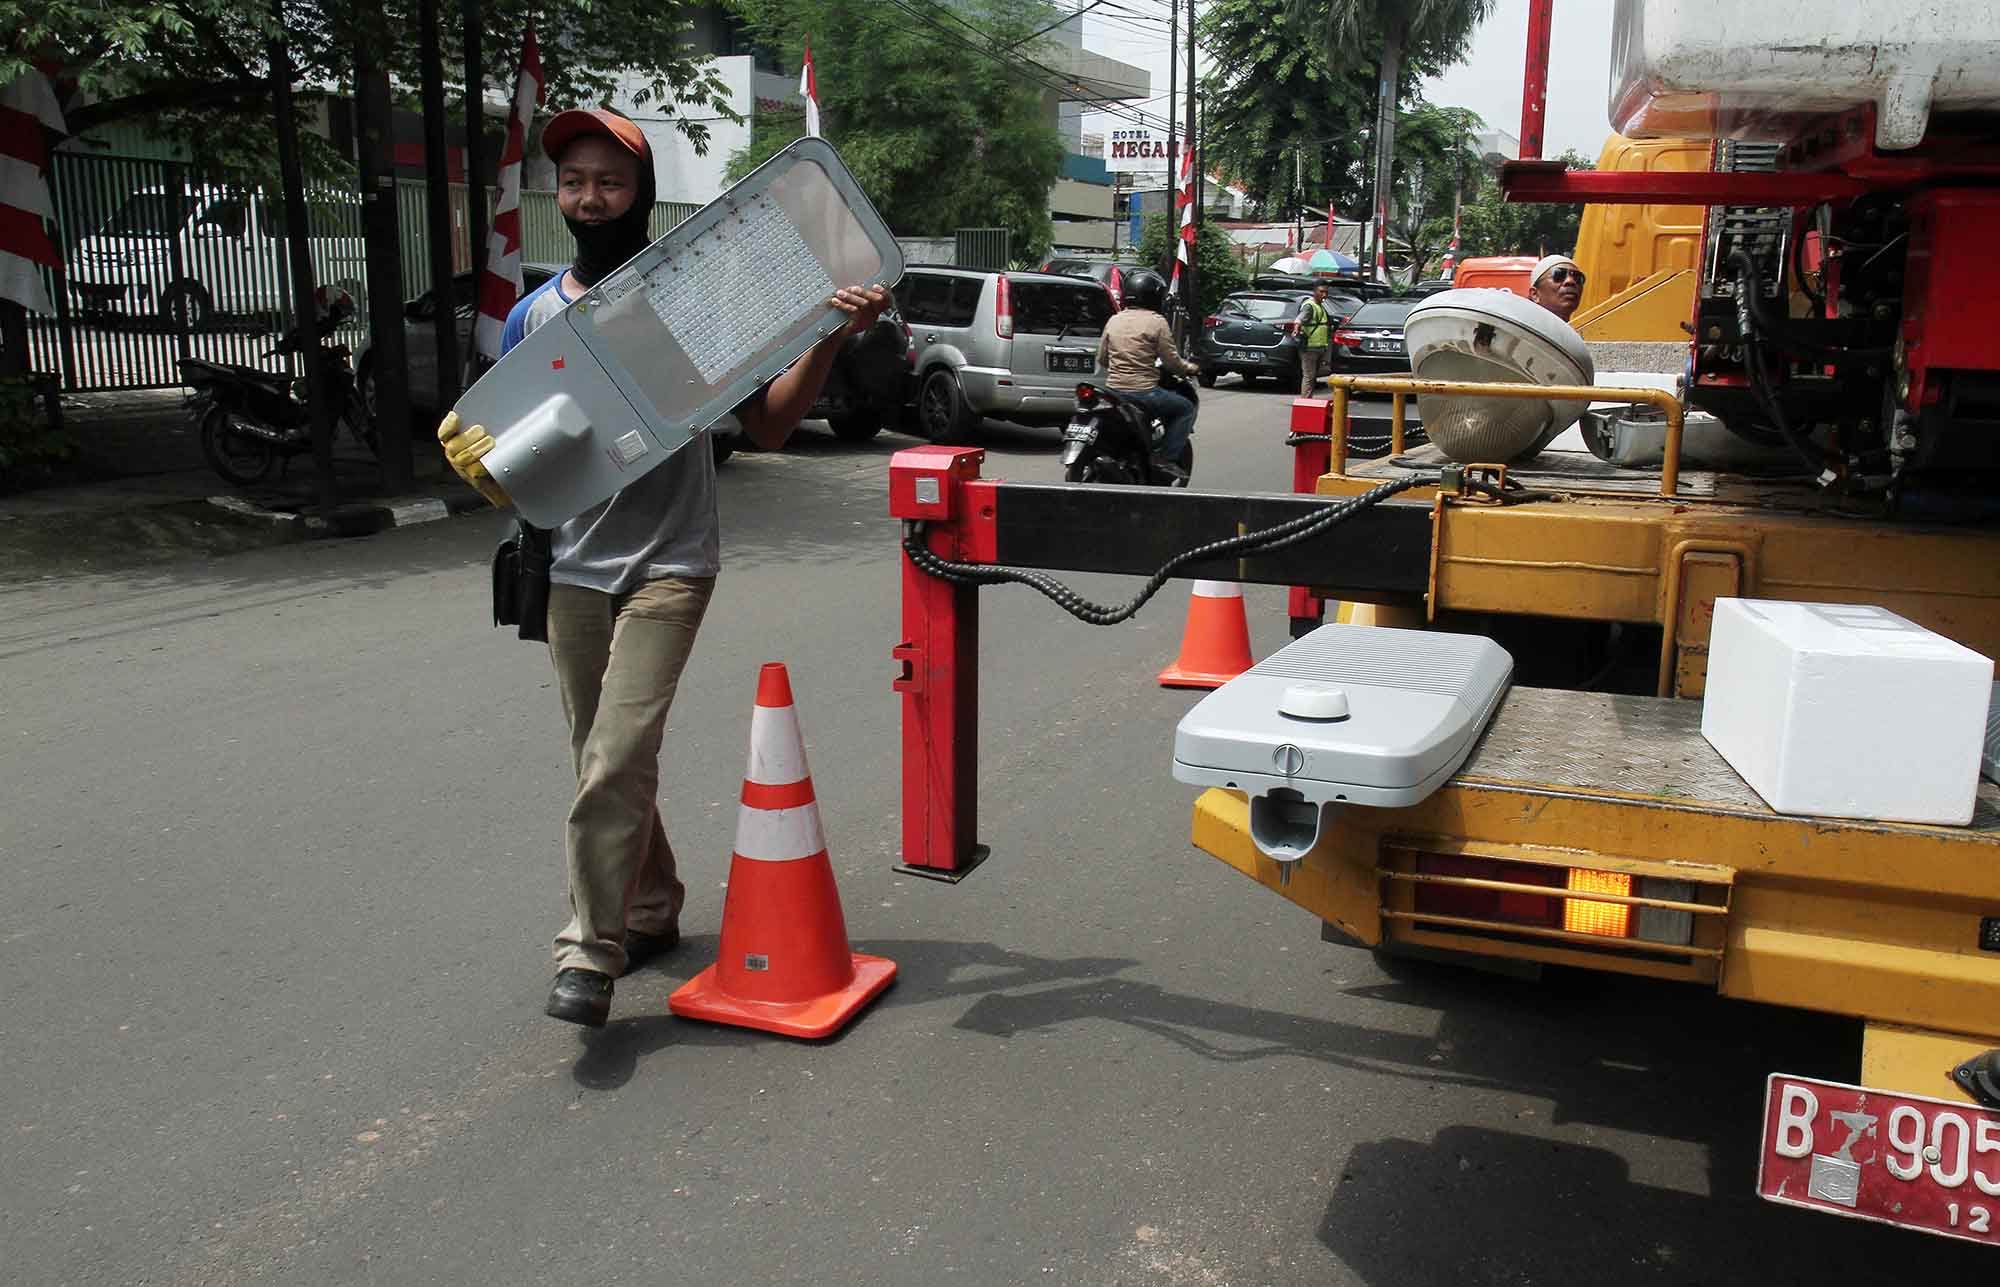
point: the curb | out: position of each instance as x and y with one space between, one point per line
355 518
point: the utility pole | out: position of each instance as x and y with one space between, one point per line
1173 153
1298 199
1200 164
476 179
298 228
437 175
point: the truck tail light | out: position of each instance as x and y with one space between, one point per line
1003 309
1581 916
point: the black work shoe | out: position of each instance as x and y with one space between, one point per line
642 949
580 996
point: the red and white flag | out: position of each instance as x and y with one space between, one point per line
1381 249
1184 199
500 284
1451 255
29 112
1330 218
809 86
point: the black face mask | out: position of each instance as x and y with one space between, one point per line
601 248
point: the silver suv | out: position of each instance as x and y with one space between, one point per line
1008 345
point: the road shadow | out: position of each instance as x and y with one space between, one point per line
926 970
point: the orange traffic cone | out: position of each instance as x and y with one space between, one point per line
784 965
1215 647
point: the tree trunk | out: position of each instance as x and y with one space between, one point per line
1385 130
298 233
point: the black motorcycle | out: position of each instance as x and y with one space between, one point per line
251 419
1111 440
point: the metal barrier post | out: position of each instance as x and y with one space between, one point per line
1309 461
939 679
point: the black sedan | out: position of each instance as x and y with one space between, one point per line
1255 334
1371 341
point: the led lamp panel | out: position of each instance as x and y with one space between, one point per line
669 344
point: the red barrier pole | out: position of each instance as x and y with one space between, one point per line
1535 80
939 656
1309 461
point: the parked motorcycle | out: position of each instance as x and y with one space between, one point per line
251 419
1111 440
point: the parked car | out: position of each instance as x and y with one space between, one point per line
1009 345
185 257
1255 335
1431 287
1105 272
420 339
1371 341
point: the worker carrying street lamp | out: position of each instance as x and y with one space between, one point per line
1557 285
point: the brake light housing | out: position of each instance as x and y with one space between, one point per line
1003 308
1211 321
1346 339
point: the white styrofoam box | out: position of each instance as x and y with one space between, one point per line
1846 711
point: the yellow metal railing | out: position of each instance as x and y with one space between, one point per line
1401 387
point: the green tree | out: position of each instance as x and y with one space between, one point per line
196 71
1492 226
940 137
1437 150
1434 32
1217 270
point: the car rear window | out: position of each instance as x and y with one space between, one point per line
1265 309
1383 312
934 299
1050 308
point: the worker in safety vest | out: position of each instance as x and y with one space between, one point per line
1315 341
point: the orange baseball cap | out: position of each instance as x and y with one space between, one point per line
578 121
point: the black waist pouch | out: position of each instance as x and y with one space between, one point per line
521 582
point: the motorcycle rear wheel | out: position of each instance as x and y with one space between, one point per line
240 458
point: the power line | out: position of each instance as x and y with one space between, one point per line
1036 73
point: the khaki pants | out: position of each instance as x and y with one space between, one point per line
1313 363
618 661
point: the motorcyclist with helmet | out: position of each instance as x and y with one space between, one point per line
1137 345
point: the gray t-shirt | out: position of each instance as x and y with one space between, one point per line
662 524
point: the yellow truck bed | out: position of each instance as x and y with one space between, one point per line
1883 921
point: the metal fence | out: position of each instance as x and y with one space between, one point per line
983 248
160 266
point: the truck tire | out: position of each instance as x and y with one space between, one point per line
942 412
185 307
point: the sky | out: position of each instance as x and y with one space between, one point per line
1488 81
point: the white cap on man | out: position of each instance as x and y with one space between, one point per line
1546 262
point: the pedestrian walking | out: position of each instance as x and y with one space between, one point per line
1315 342
630 581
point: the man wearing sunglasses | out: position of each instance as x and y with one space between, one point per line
1557 285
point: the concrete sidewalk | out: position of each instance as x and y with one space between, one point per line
153 496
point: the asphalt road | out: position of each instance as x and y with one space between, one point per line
281 838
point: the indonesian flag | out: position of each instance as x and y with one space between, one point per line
1330 217
1184 199
1451 255
28 113
809 87
500 284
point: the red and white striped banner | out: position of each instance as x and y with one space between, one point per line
1381 247
500 284
1184 199
1330 218
809 86
29 113
1451 255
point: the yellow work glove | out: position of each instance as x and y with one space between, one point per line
463 446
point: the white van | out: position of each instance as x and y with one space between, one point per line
184 259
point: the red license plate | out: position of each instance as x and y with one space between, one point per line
1928 1164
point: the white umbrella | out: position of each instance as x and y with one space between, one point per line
1292 264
